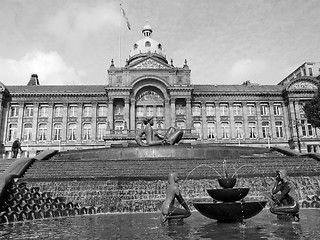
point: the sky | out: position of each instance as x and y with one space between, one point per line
72 42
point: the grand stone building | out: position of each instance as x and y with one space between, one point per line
91 116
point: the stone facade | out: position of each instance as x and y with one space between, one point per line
92 116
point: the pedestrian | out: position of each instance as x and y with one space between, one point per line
16 146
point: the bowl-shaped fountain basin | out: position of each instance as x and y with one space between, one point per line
227 182
228 194
230 212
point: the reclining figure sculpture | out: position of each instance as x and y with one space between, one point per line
171 137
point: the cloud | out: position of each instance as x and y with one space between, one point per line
246 69
50 67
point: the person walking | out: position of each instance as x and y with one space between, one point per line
16 146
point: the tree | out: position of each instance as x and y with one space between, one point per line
312 110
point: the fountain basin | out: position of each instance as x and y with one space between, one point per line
227 182
230 212
228 194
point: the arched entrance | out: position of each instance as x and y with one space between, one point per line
150 103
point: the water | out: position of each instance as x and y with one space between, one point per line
147 226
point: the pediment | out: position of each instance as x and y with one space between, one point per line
150 63
303 85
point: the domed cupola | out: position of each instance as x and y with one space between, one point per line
147 46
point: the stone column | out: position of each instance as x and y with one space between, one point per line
132 125
204 120
64 122
189 115
245 119
232 131
272 121
94 121
126 111
167 119
79 122
286 121
259 120
34 134
20 120
218 120
50 120
110 112
173 112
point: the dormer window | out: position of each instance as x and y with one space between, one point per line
135 46
159 46
148 44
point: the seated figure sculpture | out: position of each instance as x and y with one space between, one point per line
171 137
284 197
169 210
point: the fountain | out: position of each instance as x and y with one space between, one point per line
228 204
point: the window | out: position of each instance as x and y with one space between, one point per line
57 131
159 46
252 130
210 110
198 128
149 111
148 44
42 133
14 111
43 111
307 130
224 110
237 108
239 130
13 132
135 46
265 130
277 109
102 127
102 110
87 111
310 72
27 130
180 109
264 110
279 129
118 110
225 130
251 109
140 112
211 130
86 131
73 110
57 110
159 110
28 111
196 110
72 132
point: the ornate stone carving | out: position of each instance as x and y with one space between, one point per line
150 64
303 85
149 96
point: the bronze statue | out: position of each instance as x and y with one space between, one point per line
171 137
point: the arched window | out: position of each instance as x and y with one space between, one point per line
57 131
148 44
72 132
42 133
27 129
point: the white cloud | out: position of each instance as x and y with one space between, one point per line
246 69
50 67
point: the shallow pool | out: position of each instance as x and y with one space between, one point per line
147 226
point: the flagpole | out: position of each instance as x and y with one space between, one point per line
120 35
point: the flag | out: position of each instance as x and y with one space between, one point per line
125 17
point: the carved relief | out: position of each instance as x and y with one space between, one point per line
149 96
150 64
303 85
